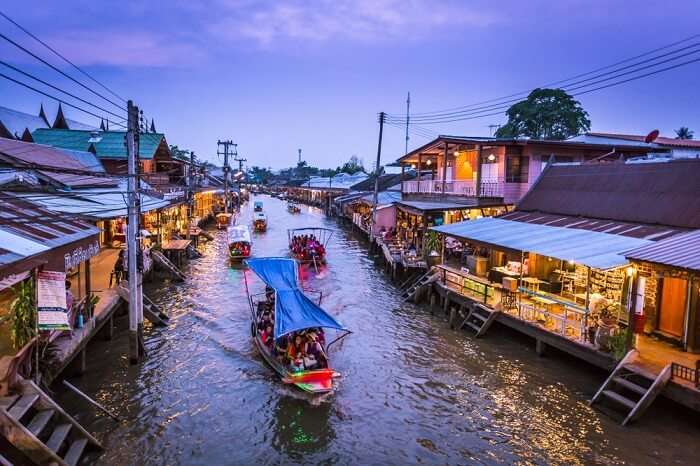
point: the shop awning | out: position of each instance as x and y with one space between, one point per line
594 249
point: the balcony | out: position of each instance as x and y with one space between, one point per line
462 188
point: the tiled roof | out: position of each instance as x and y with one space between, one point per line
107 144
16 122
661 140
659 193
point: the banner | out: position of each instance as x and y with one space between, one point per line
51 301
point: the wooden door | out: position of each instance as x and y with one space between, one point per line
672 311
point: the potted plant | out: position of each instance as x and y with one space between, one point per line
23 314
431 247
606 327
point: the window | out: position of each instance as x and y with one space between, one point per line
517 167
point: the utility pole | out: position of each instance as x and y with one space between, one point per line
377 168
299 157
408 116
190 194
240 172
226 145
133 245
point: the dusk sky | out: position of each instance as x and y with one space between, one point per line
275 76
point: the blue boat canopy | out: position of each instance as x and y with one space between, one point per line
293 310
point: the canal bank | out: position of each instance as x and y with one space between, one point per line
413 390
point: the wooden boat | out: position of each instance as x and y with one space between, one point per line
260 222
223 221
257 206
239 242
308 245
293 208
293 312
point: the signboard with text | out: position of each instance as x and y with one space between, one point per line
51 301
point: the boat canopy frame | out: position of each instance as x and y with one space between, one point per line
324 234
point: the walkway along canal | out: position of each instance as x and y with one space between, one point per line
412 389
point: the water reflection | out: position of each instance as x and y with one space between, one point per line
412 390
301 427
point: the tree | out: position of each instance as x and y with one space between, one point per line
182 154
545 114
260 174
352 166
684 133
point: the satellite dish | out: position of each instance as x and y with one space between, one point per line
651 137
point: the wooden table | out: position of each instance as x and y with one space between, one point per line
533 283
176 247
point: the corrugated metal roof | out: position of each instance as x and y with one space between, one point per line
591 248
637 138
39 154
681 251
635 230
666 193
107 144
383 198
27 229
339 181
438 205
98 203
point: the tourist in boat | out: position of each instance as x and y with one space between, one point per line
315 354
296 352
267 337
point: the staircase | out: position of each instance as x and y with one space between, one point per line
479 318
412 287
39 428
631 388
151 310
169 266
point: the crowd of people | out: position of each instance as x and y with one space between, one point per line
299 351
307 247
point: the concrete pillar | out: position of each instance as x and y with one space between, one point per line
432 303
82 362
453 317
446 303
109 329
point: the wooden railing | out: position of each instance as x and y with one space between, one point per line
686 373
454 187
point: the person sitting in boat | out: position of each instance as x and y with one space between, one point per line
267 337
315 356
265 321
296 351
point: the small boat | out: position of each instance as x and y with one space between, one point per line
260 222
223 220
282 196
293 208
258 206
239 243
308 245
293 312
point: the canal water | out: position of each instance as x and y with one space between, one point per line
412 390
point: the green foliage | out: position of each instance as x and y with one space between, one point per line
260 174
431 243
545 114
684 133
23 314
182 154
618 344
352 166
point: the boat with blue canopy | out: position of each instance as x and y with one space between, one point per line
289 328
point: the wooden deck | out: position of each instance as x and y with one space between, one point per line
652 358
71 344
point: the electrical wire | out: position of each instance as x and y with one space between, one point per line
2 75
29 75
29 52
61 56
555 83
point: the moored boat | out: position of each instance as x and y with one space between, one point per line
293 208
223 220
259 222
257 206
308 245
239 242
293 317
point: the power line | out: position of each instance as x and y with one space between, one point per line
695 36
634 78
58 99
62 57
29 75
29 52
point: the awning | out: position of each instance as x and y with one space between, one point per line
594 249
293 310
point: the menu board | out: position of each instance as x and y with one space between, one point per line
51 301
